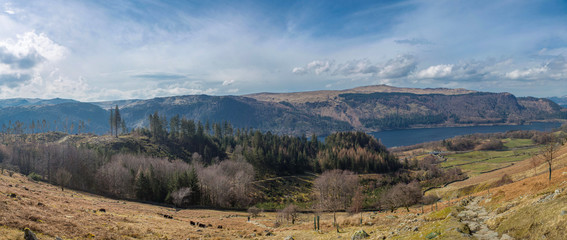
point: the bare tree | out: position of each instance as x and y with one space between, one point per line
334 190
228 183
402 195
180 197
534 162
290 213
549 150
357 203
63 177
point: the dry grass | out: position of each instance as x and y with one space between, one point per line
50 212
519 171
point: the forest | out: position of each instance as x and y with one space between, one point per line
186 163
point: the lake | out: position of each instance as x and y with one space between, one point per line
406 137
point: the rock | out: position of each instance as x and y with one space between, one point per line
58 238
465 229
29 235
563 212
360 234
415 229
474 226
269 234
289 238
506 237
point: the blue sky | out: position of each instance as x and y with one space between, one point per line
105 50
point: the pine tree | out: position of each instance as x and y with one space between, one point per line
117 120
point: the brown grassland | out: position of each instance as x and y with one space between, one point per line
69 214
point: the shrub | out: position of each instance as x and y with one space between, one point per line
254 211
506 179
491 144
34 177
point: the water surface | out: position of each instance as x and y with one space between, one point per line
406 137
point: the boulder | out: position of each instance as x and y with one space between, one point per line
29 235
289 238
360 234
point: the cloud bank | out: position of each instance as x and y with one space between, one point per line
94 50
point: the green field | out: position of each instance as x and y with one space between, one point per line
477 162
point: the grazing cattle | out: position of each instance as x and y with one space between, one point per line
219 227
193 223
202 225
102 210
167 216
210 225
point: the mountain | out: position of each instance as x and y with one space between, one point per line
17 102
67 115
370 108
562 101
238 110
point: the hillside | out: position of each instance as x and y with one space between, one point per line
529 208
370 108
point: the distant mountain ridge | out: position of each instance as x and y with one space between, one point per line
562 101
370 108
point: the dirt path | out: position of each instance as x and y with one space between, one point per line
474 216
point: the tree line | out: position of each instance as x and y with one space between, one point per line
270 154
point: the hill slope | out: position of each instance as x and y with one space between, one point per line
526 209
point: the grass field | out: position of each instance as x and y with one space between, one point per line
477 162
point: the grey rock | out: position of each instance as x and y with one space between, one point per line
29 235
506 237
360 234
289 238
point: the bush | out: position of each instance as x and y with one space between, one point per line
254 211
460 144
491 144
290 213
35 177
506 179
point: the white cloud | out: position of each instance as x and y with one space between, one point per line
437 71
397 67
554 68
528 73
354 67
30 43
228 82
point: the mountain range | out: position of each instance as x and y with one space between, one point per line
562 101
370 108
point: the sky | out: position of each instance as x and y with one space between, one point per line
112 49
